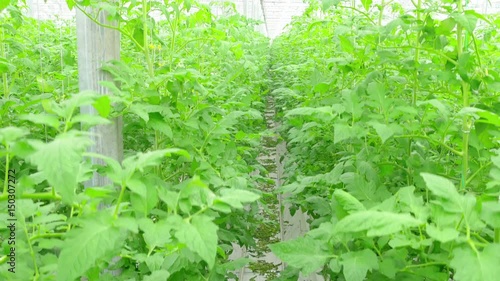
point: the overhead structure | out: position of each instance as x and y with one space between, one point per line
275 14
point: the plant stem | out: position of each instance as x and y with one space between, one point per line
452 61
4 75
367 16
7 167
32 254
381 15
172 43
146 38
465 103
477 172
423 264
120 198
94 19
149 62
417 54
46 235
35 196
71 213
432 140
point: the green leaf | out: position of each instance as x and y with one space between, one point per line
341 132
335 265
236 197
159 275
326 4
187 5
155 261
221 207
103 106
348 202
144 111
383 131
110 9
140 111
43 85
90 120
113 170
137 186
441 187
376 91
84 246
357 264
366 4
303 253
127 223
376 223
346 44
392 261
156 234
321 88
160 125
200 236
4 4
490 213
467 21
140 161
488 118
442 235
480 266
11 134
59 161
446 26
43 119
194 192
139 34
443 110
475 14
235 264
111 87
353 104
325 111
412 203
5 65
71 4
69 106
144 198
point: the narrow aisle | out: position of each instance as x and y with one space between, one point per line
277 222
265 265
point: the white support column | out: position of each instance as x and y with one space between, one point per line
97 45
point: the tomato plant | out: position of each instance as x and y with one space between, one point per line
391 132
188 87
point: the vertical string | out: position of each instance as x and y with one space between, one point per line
39 37
466 33
63 92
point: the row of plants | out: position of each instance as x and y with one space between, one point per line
392 127
189 87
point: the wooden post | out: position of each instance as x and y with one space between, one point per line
97 45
